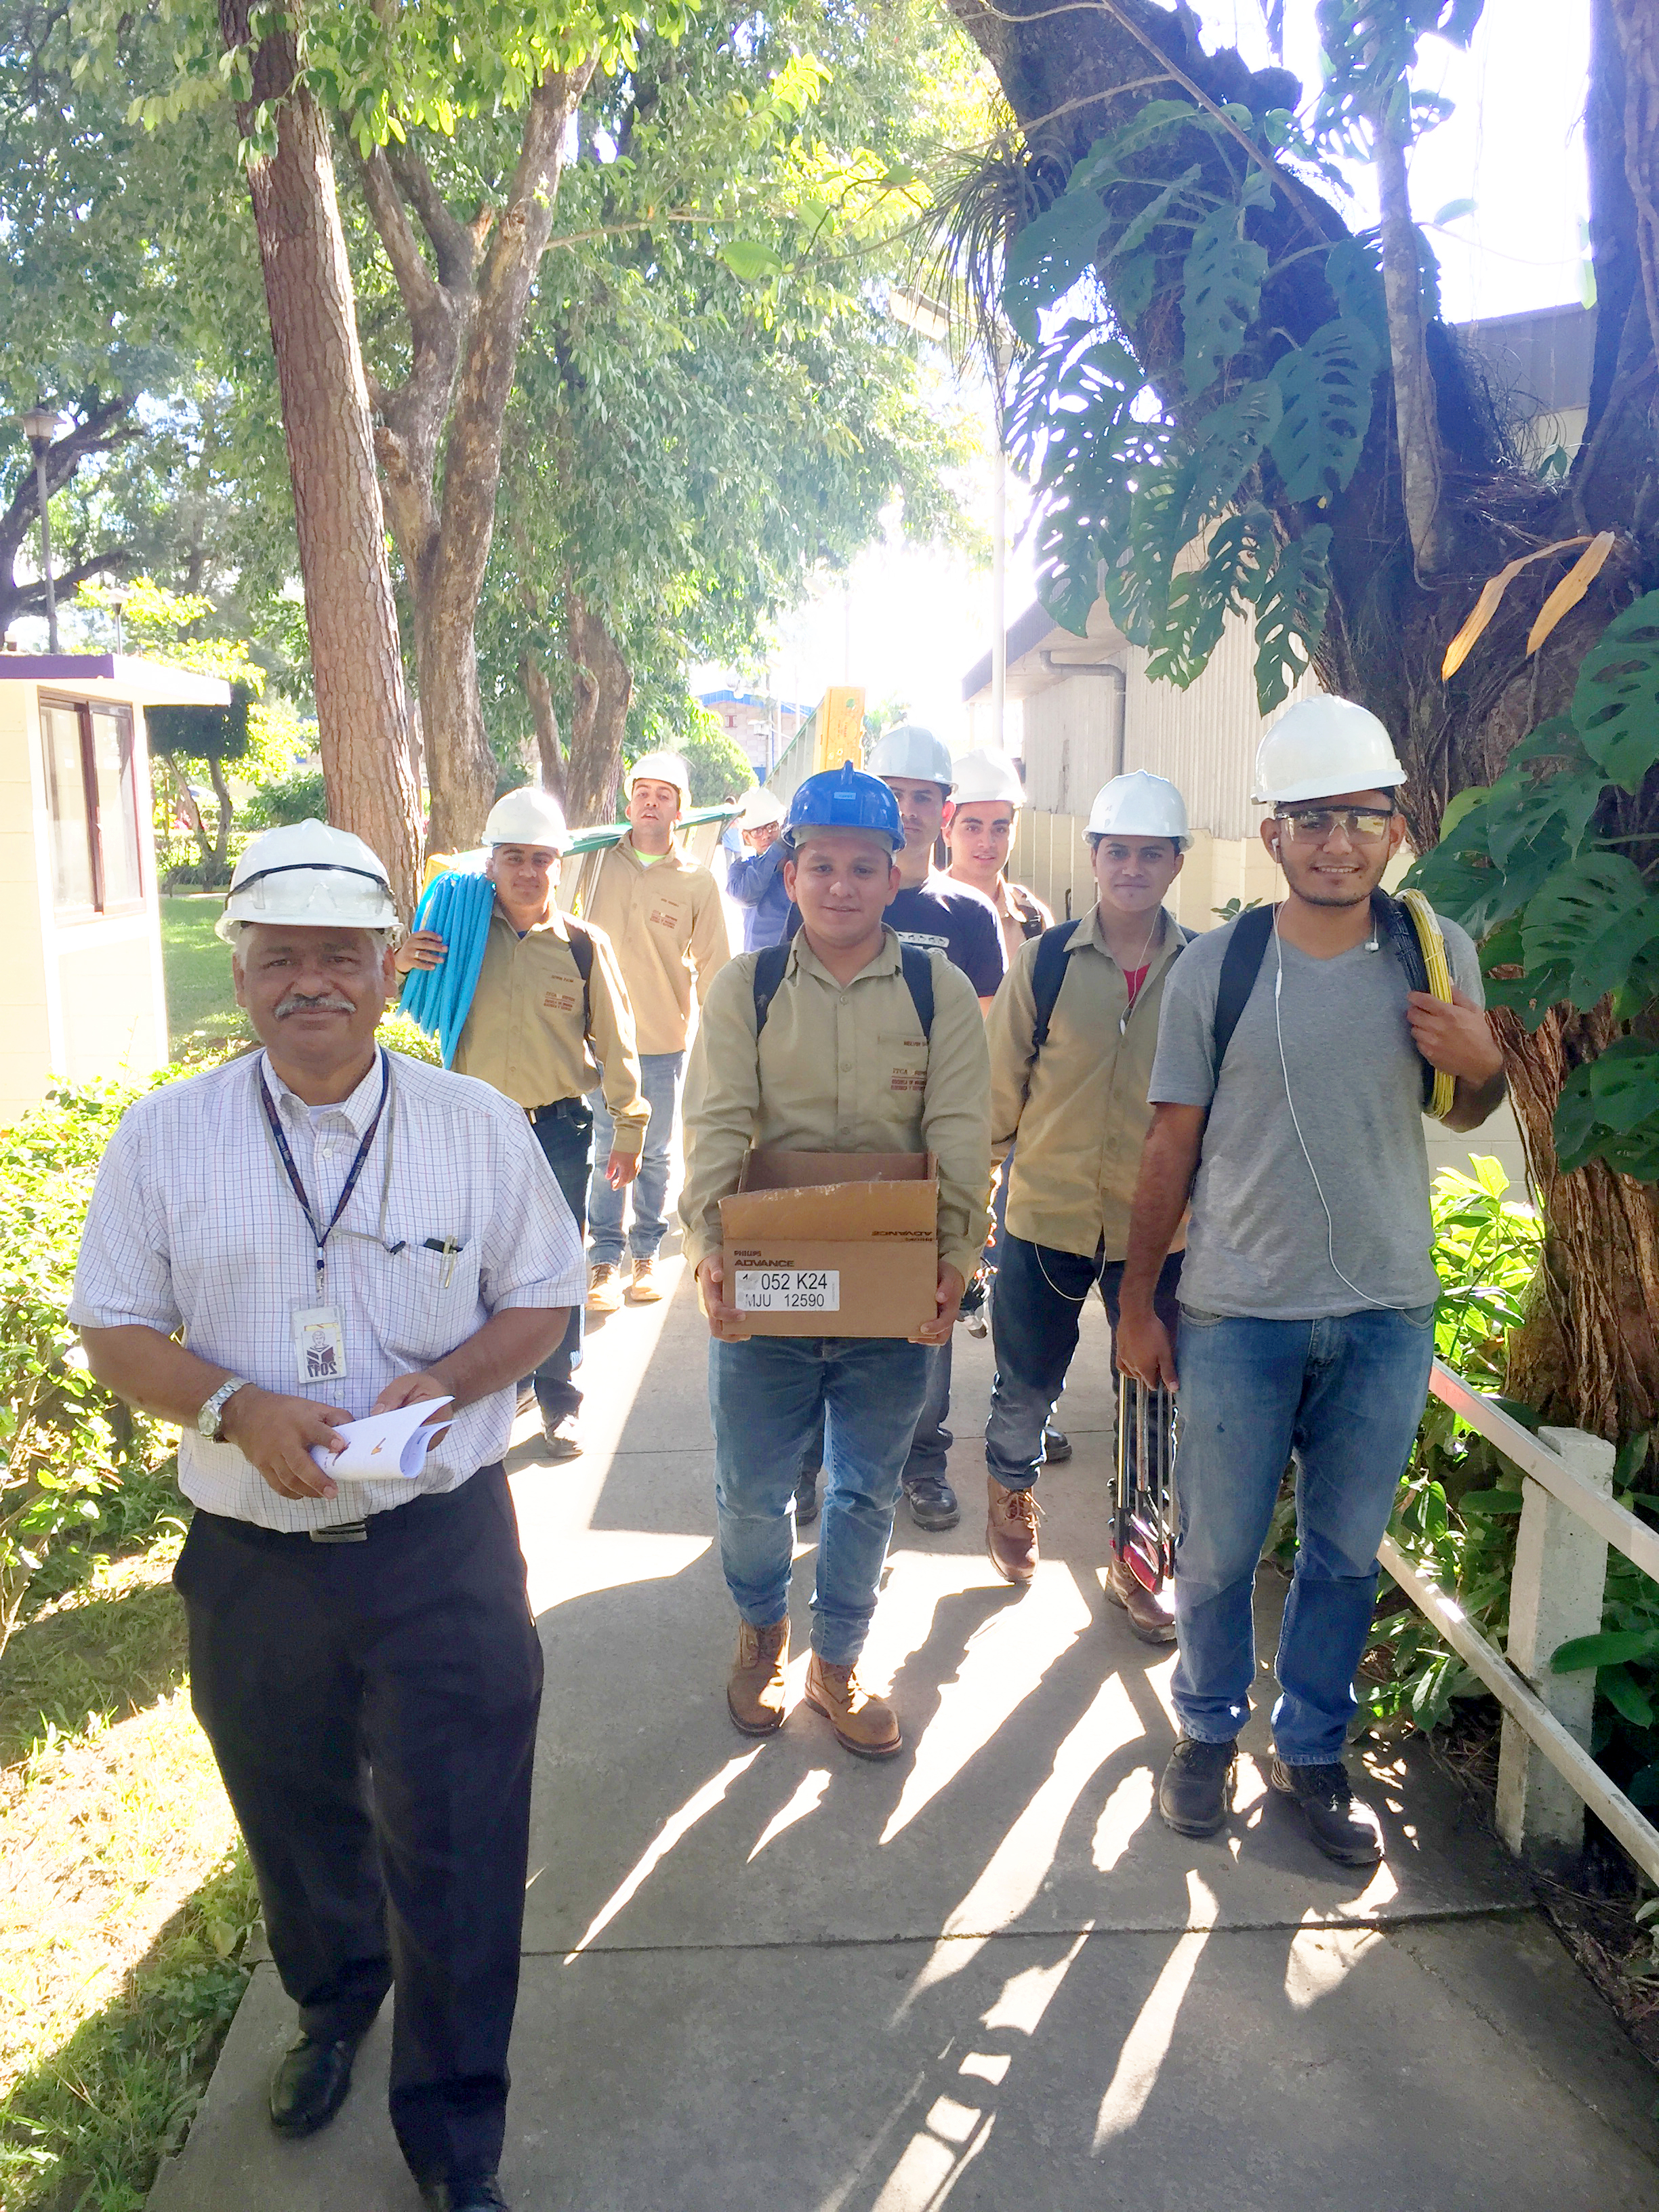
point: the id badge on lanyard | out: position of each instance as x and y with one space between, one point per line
319 1352
318 1330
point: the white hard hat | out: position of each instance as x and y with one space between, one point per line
1139 805
308 874
759 808
910 750
987 776
1322 746
527 816
663 768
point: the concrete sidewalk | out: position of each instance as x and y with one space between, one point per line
771 1978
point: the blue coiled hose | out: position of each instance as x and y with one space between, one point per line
457 906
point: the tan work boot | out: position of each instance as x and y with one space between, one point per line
753 1692
645 1290
863 1723
1011 1530
1151 1615
603 1288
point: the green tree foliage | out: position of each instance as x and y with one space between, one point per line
719 768
712 402
1546 867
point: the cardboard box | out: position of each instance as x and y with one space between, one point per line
832 1243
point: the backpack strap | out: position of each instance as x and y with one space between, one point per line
1048 974
1397 922
769 965
772 960
582 951
919 982
1240 965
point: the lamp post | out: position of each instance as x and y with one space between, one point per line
40 427
116 600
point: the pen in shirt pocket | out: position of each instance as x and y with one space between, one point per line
450 1247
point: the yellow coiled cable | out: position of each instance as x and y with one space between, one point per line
1440 983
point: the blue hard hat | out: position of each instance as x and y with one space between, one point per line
844 798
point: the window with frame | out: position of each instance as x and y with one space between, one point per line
91 805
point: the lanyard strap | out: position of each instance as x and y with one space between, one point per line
273 1122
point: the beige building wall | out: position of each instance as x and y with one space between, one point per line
26 1040
82 1000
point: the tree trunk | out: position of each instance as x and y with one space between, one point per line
356 664
603 685
549 757
227 815
1436 508
465 322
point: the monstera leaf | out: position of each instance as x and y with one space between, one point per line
1592 916
1326 387
1223 275
1291 614
1049 255
1224 447
1615 706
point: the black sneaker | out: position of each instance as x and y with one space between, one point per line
1343 1825
932 1501
1194 1790
806 1500
1056 1445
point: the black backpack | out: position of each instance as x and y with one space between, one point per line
582 951
771 962
1247 948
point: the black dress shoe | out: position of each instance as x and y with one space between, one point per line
480 2196
932 1501
1343 1825
310 2084
1193 1790
1056 1445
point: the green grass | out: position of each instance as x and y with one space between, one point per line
125 1899
201 996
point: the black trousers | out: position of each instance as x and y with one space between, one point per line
373 1710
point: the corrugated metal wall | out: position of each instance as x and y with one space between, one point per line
1204 739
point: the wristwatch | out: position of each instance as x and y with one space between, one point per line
208 1415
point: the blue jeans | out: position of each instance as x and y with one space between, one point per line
769 1398
1040 1297
660 1086
564 1133
930 1445
1342 1397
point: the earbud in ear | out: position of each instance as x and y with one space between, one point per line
1275 848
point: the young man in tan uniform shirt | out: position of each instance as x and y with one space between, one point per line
979 829
1077 1103
845 1061
664 916
539 1032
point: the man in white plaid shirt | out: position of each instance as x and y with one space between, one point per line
337 1231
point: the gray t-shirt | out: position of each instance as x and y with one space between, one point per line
1258 1242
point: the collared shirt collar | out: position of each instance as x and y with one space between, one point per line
671 858
358 1106
1164 947
554 925
887 962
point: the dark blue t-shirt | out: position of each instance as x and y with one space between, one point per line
951 918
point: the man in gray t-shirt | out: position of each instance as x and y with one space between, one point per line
1308 1292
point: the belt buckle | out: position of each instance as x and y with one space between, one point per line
342 1532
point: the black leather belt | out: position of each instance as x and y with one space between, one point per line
561 1110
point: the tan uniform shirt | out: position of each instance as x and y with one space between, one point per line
525 1035
667 923
1079 1108
840 1069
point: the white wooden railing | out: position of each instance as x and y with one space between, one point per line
1546 1776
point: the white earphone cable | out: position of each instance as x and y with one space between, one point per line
1381 1304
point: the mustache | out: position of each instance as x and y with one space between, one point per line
323 1002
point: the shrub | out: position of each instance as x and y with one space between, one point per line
67 1440
299 796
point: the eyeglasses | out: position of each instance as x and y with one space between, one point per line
1312 825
